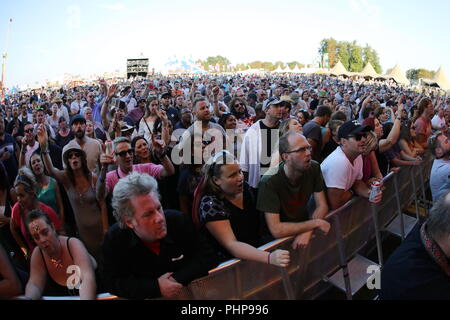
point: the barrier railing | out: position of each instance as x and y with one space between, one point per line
353 226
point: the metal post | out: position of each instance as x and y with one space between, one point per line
342 258
415 192
399 207
377 234
422 182
287 284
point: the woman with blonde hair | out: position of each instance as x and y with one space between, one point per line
227 213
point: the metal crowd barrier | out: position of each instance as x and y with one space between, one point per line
328 259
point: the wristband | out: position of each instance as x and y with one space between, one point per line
268 258
44 151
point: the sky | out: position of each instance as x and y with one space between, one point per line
49 38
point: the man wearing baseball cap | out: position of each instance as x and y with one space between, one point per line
342 170
259 142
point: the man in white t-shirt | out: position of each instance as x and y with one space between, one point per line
439 146
343 169
438 122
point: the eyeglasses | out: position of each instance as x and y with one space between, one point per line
28 131
238 105
301 150
76 154
358 137
124 153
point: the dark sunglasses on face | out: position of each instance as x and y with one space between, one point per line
76 154
358 137
238 105
28 131
124 153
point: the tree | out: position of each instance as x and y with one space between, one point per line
356 59
349 53
343 49
416 74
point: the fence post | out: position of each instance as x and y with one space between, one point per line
343 259
377 233
399 207
415 191
287 284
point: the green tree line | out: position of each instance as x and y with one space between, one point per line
353 56
416 74
211 63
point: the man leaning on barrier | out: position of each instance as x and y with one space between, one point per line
343 169
284 192
419 268
149 252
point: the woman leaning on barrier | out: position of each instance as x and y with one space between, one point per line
60 266
227 213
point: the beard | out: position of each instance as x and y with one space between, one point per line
80 134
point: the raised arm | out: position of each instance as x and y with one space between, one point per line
105 106
59 175
159 149
392 138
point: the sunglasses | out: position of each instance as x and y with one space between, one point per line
76 154
238 105
28 131
358 137
124 153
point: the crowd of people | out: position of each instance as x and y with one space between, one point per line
235 161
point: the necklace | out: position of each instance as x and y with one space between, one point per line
58 263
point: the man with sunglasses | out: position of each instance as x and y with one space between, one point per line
285 190
343 169
439 146
123 156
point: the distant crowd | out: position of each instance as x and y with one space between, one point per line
142 186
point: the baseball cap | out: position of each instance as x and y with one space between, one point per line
77 118
351 128
165 95
269 102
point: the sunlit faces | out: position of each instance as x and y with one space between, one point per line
231 180
275 111
231 122
24 197
88 114
356 144
141 149
148 222
79 129
153 107
295 125
378 129
74 159
36 164
299 155
44 235
202 111
89 128
124 156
